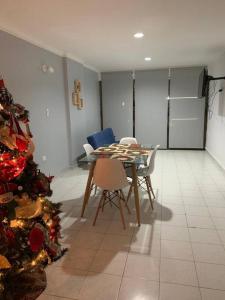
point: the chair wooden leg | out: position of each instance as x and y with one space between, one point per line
121 213
130 191
88 189
150 184
125 202
94 187
99 207
95 190
149 191
136 193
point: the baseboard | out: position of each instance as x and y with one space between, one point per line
217 160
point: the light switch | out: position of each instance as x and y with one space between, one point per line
47 112
123 103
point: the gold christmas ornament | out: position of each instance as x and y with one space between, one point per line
29 211
4 263
7 139
6 198
17 223
23 200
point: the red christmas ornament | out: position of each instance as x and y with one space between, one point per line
36 239
3 214
11 166
7 187
10 236
21 141
2 85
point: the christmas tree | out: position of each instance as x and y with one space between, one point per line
29 221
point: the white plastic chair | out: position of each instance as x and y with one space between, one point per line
143 174
151 165
88 149
128 140
110 176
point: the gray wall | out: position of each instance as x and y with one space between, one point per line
151 92
117 102
91 101
184 81
85 121
20 64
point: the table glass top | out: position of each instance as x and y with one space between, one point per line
132 154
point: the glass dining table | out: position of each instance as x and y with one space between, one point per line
131 155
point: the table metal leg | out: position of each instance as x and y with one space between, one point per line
136 194
88 188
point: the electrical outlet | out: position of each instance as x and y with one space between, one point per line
44 157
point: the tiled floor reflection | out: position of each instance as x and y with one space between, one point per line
177 253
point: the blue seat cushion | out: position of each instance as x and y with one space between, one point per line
101 138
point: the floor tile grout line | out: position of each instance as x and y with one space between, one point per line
160 260
87 271
223 244
216 229
193 259
60 297
160 257
189 285
192 244
124 267
187 227
195 267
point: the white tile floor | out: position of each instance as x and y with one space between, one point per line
177 253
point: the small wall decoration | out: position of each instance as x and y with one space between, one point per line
76 99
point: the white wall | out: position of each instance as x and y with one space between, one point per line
215 143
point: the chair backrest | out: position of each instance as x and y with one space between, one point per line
152 160
88 148
109 174
101 138
128 140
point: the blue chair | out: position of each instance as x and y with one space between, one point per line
101 138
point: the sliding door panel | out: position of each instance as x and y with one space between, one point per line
186 123
117 102
151 92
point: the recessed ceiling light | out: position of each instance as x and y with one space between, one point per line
139 35
147 58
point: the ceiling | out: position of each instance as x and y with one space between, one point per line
99 33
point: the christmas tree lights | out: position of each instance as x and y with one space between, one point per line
29 221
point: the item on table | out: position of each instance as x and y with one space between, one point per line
135 146
123 157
